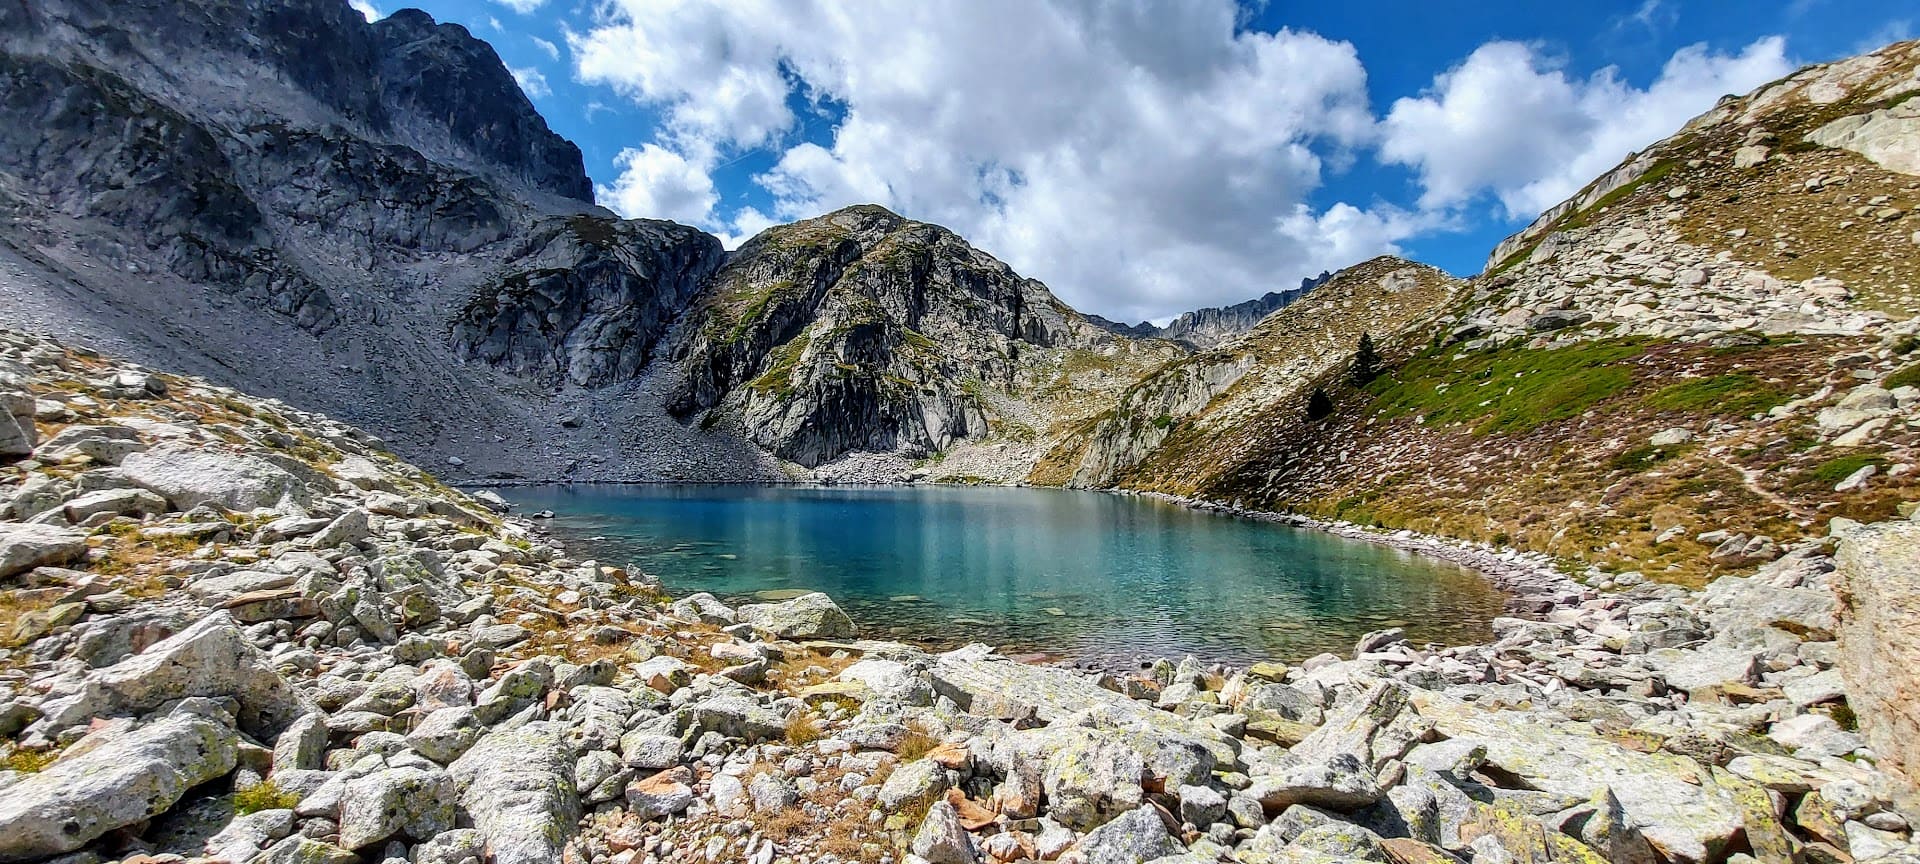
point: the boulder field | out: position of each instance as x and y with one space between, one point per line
238 632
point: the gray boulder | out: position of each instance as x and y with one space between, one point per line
24 547
941 838
517 786
410 801
190 475
1135 836
809 616
1340 783
459 846
111 779
1878 582
211 658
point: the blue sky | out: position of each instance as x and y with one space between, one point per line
1143 158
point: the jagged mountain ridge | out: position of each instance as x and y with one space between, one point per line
1205 328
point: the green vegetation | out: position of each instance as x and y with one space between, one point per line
1643 457
756 309
778 379
1366 362
1738 394
28 761
593 231
1658 171
1165 420
1319 405
1832 471
1512 389
264 796
1908 377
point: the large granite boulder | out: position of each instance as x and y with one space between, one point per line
113 778
188 476
211 658
1688 820
809 616
1878 584
517 786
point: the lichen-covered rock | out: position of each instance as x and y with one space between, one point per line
941 839
809 616
415 802
122 777
1340 783
517 786
1135 836
189 476
1878 585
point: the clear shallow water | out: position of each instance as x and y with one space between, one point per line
1082 575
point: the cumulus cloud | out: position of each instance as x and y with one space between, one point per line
1511 122
521 6
366 10
1142 159
552 50
532 81
658 183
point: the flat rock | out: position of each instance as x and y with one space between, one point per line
191 475
808 616
24 547
992 686
212 658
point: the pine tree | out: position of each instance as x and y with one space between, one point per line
1319 405
1366 362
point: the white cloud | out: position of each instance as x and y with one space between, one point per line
658 183
494 23
521 6
552 50
1510 122
532 81
366 10
1141 159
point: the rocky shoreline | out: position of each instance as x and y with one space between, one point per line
238 632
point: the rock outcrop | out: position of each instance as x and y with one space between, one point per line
1878 583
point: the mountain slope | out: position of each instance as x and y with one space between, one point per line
1703 356
365 219
1196 418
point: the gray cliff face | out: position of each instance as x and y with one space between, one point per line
861 330
587 301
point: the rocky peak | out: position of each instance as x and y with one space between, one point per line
403 80
862 330
1205 328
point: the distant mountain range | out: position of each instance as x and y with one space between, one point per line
1205 328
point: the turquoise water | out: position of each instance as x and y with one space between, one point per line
1077 575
